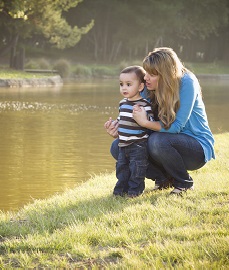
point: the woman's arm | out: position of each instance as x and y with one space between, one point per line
189 90
111 127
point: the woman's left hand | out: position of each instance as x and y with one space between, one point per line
139 115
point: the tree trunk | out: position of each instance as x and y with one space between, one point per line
13 51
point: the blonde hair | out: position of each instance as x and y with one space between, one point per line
165 63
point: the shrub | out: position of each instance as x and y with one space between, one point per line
100 71
32 64
82 71
43 63
125 64
63 67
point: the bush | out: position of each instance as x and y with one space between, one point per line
32 64
82 71
43 63
40 63
125 64
101 71
63 67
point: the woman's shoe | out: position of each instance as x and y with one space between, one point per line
180 191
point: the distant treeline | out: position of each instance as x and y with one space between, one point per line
197 30
115 30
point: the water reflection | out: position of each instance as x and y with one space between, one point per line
53 139
216 99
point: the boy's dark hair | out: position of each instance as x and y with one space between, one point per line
138 70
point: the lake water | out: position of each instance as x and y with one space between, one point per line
52 139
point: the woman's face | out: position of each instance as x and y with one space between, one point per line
151 81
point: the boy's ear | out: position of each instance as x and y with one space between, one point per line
141 86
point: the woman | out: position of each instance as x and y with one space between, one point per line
182 139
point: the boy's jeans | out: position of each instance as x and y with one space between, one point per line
171 155
131 169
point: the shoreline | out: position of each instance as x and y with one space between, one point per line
56 80
32 82
213 76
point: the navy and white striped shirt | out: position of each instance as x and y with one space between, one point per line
129 131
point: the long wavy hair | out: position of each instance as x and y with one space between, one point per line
165 63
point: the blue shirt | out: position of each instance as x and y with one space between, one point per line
191 117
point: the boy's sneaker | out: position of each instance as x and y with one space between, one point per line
133 195
180 191
118 194
165 185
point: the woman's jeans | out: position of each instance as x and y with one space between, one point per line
131 169
171 155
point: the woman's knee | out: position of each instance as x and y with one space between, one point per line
114 150
154 144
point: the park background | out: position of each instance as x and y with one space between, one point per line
56 205
112 31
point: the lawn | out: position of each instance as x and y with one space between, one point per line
88 228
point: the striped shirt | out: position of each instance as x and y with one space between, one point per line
129 131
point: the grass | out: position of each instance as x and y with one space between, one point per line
209 68
87 228
7 73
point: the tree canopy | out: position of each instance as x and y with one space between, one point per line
22 19
131 28
119 29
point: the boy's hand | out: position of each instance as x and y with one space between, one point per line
111 127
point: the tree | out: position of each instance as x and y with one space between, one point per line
130 28
20 19
100 41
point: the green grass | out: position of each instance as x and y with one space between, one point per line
7 73
87 228
209 68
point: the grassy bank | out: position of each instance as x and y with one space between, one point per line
209 68
87 228
6 73
67 69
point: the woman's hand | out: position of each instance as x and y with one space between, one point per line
139 115
111 127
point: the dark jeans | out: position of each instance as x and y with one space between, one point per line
131 169
171 156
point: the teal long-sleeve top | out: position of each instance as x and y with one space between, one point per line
191 117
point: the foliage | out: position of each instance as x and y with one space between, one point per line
43 63
129 29
87 71
82 71
48 16
32 64
209 68
101 71
120 29
63 67
23 19
40 63
88 228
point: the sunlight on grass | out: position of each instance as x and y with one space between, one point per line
89 228
6 73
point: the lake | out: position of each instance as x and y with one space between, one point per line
53 139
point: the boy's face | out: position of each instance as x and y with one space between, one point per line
130 87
